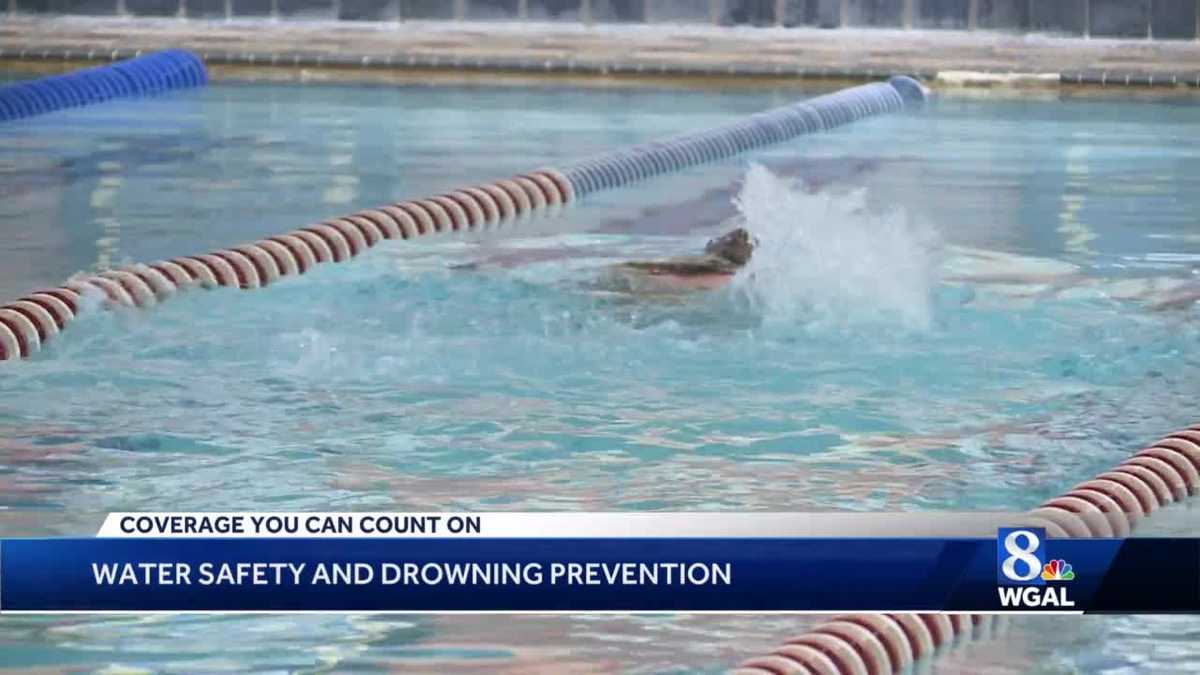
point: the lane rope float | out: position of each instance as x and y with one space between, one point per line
1109 505
140 76
29 322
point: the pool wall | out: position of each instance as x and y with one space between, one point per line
264 47
1151 19
599 53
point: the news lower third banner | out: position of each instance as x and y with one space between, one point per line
591 562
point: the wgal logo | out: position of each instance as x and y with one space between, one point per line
1021 560
1020 553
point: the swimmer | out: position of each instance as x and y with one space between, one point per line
722 258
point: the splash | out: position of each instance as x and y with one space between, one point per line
826 259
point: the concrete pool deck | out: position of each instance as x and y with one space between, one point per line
949 58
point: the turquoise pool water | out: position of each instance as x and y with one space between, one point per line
972 306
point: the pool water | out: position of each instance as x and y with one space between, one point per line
971 306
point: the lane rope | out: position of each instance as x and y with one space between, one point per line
140 76
31 321
1109 505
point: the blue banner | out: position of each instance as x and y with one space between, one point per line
1021 571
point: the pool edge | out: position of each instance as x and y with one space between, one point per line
436 53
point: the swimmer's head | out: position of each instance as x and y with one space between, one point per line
735 246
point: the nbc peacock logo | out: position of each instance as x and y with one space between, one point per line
1058 570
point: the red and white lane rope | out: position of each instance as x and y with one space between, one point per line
1109 505
29 322
34 319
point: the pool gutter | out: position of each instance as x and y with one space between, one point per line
701 55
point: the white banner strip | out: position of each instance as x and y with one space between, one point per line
553 525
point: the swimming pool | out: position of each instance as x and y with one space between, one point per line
955 311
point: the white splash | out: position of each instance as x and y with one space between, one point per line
826 259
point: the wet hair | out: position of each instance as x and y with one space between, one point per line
736 246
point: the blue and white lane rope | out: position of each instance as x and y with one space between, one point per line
141 76
630 165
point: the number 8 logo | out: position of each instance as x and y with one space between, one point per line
1025 554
